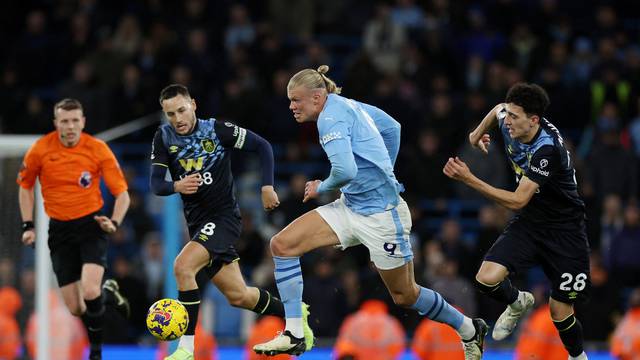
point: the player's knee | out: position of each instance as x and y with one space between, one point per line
76 309
182 271
90 292
487 279
559 310
280 246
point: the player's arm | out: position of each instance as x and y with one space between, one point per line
479 137
236 137
389 129
514 200
336 141
117 185
29 171
159 167
26 200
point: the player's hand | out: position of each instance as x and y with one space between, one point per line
105 224
311 190
457 169
269 198
481 142
189 184
29 237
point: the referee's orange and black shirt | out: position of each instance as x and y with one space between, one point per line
70 176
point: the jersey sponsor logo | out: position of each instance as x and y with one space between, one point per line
334 135
85 179
208 145
173 149
539 171
544 163
188 164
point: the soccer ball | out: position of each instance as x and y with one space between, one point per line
167 319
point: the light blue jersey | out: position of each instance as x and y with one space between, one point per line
362 143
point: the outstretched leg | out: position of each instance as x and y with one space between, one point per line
406 293
308 232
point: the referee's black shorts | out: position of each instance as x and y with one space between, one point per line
74 243
562 253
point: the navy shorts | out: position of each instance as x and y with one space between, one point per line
563 255
74 243
219 235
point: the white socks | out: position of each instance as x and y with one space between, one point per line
466 330
186 342
582 356
294 325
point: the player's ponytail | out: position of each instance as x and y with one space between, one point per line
314 79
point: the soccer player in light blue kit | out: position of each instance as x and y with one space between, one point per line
362 143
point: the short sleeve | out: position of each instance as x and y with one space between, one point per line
542 165
159 154
30 168
230 135
111 172
335 135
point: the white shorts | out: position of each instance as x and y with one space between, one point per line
385 234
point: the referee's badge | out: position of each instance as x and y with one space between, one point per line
85 179
208 145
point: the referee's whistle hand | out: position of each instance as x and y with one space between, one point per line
29 237
105 224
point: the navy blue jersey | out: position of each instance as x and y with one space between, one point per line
206 151
547 162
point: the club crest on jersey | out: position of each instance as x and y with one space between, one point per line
85 179
173 149
208 145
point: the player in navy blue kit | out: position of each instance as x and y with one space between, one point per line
196 153
549 227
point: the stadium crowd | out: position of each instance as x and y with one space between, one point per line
436 66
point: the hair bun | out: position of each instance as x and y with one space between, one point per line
323 69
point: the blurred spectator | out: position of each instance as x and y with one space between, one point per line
634 130
523 51
455 289
293 18
151 265
422 174
434 340
453 247
407 14
612 168
251 245
489 167
8 274
326 297
625 343
371 333
240 31
10 342
611 223
67 336
382 40
625 249
291 207
127 38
